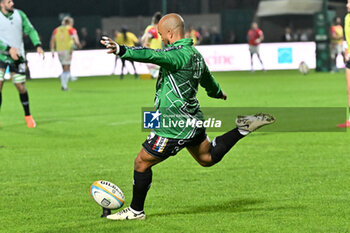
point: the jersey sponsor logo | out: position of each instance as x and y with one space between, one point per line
151 120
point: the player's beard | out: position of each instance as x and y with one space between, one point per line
9 9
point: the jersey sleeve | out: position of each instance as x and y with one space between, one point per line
72 31
169 58
29 30
210 85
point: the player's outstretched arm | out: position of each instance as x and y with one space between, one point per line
167 58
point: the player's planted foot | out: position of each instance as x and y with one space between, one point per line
30 121
345 125
251 123
126 214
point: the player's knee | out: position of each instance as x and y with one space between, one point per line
140 165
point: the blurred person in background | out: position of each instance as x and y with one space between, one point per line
287 36
63 40
128 39
296 35
215 36
304 35
84 38
13 23
194 35
231 38
347 69
98 35
255 37
337 39
205 35
152 39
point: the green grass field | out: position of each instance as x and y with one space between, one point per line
269 182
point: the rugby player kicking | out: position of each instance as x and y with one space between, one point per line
182 70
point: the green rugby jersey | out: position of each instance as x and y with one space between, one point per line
13 25
182 70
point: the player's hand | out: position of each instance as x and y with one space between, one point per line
257 41
14 54
224 96
110 44
40 50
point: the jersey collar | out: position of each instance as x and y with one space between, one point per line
184 41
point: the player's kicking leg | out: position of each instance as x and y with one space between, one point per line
208 154
142 182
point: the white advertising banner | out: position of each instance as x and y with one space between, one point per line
275 56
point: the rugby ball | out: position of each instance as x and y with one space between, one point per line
303 68
107 194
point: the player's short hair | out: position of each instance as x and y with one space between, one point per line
66 20
156 17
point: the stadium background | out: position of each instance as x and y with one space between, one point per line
229 16
271 182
